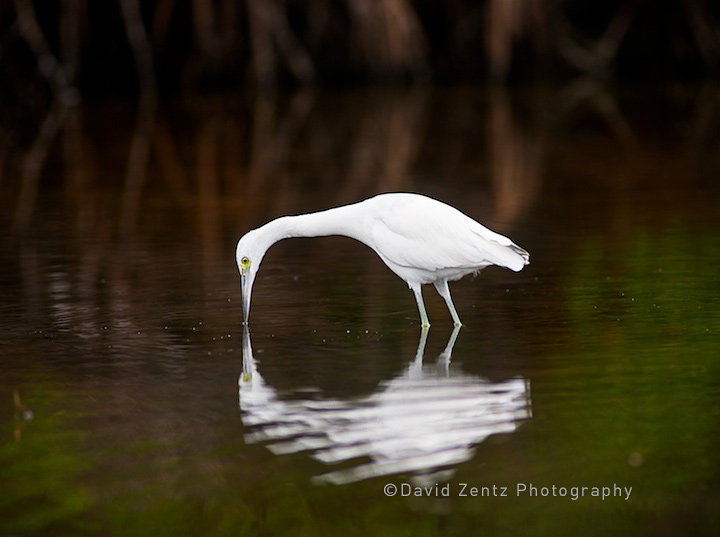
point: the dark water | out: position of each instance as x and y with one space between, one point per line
594 370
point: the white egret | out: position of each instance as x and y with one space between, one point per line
421 239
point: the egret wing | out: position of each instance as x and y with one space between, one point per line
429 235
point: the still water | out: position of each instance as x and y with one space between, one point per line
582 396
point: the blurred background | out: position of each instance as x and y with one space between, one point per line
67 49
140 139
280 79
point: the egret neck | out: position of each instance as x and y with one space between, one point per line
345 220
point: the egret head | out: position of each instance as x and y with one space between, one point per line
249 253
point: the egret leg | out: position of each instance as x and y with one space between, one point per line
444 291
420 303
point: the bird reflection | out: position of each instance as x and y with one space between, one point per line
424 422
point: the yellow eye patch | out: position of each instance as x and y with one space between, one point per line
244 264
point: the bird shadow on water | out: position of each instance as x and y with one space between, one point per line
424 422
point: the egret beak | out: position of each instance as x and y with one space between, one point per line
246 282
246 376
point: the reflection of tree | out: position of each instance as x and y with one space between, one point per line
238 167
424 421
349 148
386 143
33 164
137 165
704 126
517 154
291 156
587 91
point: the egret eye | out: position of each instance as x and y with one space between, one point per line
244 265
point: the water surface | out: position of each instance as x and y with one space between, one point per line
131 401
